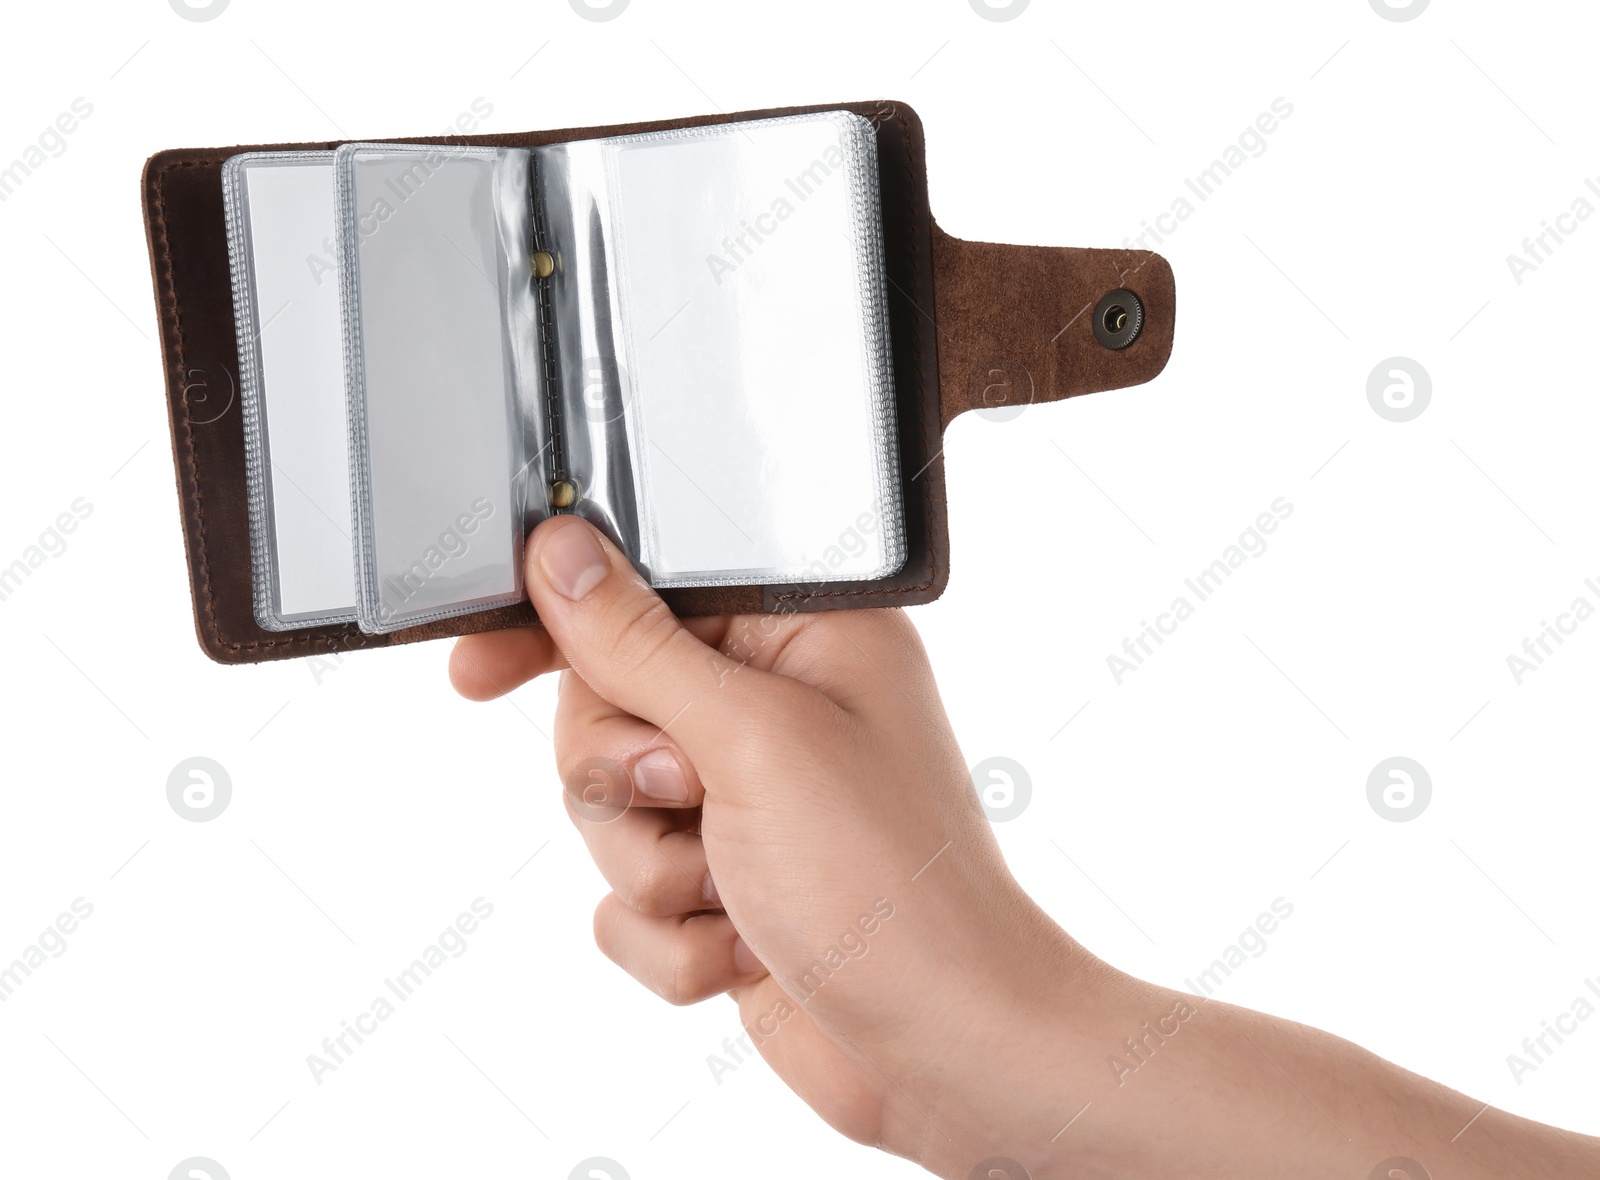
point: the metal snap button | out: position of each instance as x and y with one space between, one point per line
1118 317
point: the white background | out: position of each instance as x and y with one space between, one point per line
372 806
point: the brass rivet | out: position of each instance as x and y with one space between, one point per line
543 264
562 494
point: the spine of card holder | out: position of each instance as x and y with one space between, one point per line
560 492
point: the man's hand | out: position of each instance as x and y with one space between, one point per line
782 812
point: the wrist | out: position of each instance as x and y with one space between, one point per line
1005 1051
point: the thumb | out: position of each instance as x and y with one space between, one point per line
624 641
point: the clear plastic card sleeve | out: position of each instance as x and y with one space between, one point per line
441 376
280 217
680 336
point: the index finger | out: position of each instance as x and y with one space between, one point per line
492 663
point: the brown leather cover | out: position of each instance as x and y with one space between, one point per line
971 324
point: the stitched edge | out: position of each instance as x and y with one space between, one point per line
191 485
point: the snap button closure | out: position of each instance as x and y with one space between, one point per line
1118 317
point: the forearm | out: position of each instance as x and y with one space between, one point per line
1252 1095
1077 1071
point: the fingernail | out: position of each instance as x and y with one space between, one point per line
659 776
573 561
709 888
744 959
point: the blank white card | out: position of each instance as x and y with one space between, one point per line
290 231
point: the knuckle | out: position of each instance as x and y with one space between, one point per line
651 889
646 629
603 925
681 982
